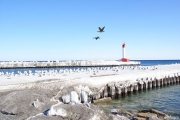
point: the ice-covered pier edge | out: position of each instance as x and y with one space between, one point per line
84 63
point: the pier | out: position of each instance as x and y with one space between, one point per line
118 89
65 64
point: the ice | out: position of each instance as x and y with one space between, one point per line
86 76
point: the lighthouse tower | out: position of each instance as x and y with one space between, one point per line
123 53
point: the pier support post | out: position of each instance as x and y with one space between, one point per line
118 92
158 82
150 84
177 78
135 87
178 74
130 89
174 79
165 80
161 81
171 80
105 91
124 90
140 86
154 83
145 85
168 80
112 91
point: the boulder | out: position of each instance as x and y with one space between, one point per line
84 97
74 97
66 98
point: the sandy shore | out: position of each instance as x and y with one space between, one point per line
30 96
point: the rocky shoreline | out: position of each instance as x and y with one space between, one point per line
65 103
63 96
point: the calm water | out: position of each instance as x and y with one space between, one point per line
157 62
165 99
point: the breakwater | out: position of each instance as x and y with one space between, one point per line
118 89
61 64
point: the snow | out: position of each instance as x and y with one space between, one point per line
103 75
56 110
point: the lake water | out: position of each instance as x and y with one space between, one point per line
165 99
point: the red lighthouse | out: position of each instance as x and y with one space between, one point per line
123 53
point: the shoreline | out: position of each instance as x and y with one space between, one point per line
103 84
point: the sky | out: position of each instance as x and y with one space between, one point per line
35 30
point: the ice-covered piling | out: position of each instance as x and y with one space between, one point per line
140 85
154 82
178 74
112 91
170 79
105 91
177 78
135 87
124 90
157 82
130 88
145 84
150 83
173 79
119 89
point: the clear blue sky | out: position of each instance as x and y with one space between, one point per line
64 29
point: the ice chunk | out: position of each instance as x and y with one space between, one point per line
66 98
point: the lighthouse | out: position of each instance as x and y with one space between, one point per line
124 59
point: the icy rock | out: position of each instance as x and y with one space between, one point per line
57 111
84 97
74 97
36 103
114 111
66 99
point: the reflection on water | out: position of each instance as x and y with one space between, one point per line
165 99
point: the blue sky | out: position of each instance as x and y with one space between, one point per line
64 29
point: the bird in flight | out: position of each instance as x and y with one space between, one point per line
97 37
101 29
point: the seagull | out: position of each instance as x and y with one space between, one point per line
101 29
96 37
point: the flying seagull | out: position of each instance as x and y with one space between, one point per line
101 29
96 37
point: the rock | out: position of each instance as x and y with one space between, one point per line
84 97
56 110
126 113
102 100
66 98
146 115
154 118
36 103
74 97
139 118
114 111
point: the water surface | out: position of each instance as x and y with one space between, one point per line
165 99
